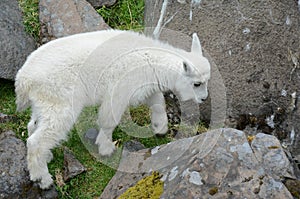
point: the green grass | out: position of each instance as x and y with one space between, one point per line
18 121
89 184
124 15
31 17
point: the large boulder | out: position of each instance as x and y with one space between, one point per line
221 163
256 48
100 3
62 18
15 43
14 181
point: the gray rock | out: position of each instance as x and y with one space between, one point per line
12 165
100 3
62 18
217 164
15 43
14 180
72 167
256 48
133 145
5 118
91 135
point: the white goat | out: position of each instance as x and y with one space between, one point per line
110 68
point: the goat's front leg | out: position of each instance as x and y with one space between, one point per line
104 141
159 119
109 117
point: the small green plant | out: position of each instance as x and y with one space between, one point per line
124 15
30 9
17 121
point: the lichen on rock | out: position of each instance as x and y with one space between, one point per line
148 187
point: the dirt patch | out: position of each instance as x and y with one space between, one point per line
256 48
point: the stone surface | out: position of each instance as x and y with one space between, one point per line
14 180
100 3
133 145
13 165
218 164
62 18
15 43
5 118
90 136
72 167
256 48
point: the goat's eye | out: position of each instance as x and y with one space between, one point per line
197 84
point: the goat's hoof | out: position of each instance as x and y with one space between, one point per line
106 148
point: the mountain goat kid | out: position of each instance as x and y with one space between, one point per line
112 69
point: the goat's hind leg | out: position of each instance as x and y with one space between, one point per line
51 129
38 154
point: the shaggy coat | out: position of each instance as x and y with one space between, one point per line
112 69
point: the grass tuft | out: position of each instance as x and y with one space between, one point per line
30 10
17 121
124 15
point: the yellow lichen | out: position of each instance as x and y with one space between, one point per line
250 138
212 191
273 147
149 187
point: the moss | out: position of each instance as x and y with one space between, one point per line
213 191
30 9
148 187
273 147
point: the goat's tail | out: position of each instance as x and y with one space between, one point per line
22 89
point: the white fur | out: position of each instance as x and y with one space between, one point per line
65 75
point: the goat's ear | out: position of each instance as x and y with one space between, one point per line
187 69
196 45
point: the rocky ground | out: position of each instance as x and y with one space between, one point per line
221 163
254 51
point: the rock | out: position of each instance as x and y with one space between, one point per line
72 167
269 153
91 135
33 191
5 118
100 3
255 47
133 145
14 180
218 164
62 18
12 165
15 43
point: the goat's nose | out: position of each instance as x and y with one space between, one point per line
203 99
